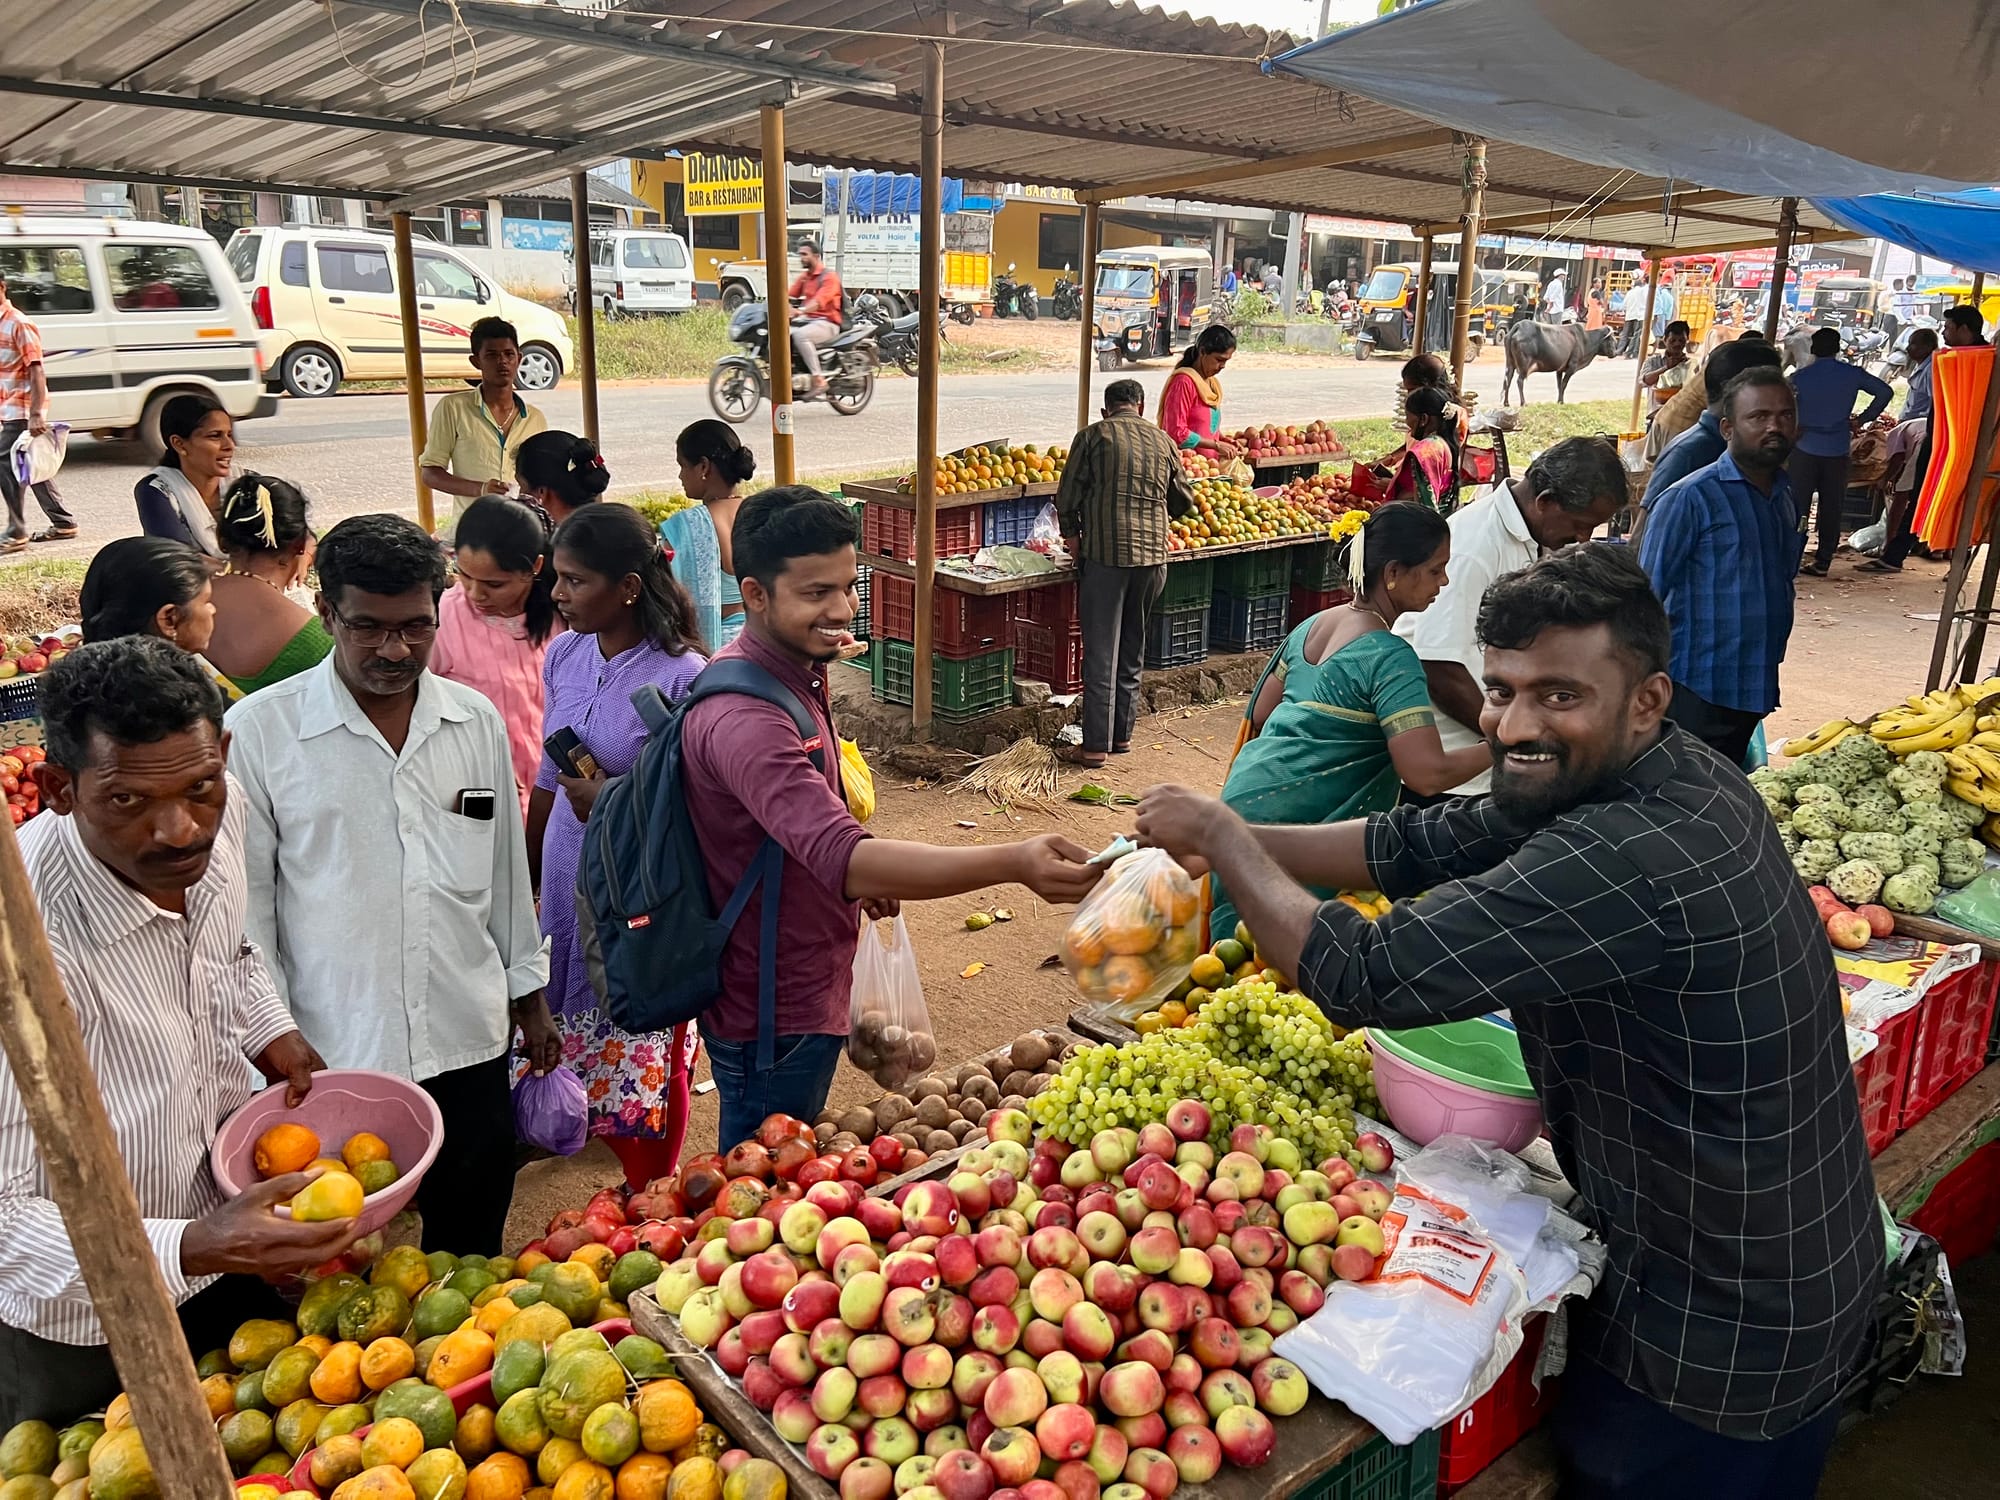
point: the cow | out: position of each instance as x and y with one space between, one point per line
1537 348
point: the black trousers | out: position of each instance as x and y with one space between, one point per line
1726 731
465 1195
1903 514
46 494
1112 605
1813 475
58 1383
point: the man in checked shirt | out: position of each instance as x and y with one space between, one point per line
1625 896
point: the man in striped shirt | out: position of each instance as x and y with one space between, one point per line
1122 482
137 867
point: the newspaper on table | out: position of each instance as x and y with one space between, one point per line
1890 977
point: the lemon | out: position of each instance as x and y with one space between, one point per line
334 1195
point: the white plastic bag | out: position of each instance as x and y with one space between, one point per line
1869 539
1135 936
889 1027
37 458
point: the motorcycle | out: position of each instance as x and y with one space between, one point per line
962 312
1011 297
895 338
1866 347
739 383
1896 365
1068 297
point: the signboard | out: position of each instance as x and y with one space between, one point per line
723 185
535 234
1356 229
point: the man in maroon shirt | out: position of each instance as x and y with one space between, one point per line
748 776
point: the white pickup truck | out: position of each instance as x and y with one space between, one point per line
879 256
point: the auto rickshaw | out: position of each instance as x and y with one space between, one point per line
1151 301
1939 300
1846 301
1387 319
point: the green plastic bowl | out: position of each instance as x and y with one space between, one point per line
1461 1078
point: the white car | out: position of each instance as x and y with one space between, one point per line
132 314
636 271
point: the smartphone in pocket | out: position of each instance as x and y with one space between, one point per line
477 803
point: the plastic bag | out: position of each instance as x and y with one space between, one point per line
889 1027
1136 935
1975 907
37 458
1045 536
1869 539
857 781
552 1111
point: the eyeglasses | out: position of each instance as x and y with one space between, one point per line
420 634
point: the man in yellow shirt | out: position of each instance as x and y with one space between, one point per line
474 434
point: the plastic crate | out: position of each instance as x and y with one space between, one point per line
1308 602
1044 653
891 531
21 698
1380 1470
1881 1078
860 627
1318 566
1963 1211
1498 1420
1006 523
962 625
1255 575
1176 637
1950 1041
1239 624
960 689
1054 607
1188 584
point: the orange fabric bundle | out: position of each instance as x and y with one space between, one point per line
1959 379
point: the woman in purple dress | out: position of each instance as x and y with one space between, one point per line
630 624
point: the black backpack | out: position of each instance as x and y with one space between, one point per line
642 885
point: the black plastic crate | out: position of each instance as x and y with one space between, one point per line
1255 575
859 627
1318 565
1177 637
1236 624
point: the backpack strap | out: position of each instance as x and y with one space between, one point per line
736 674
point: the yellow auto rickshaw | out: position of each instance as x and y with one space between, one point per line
1846 301
1150 301
1387 319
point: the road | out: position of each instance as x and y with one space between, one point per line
351 453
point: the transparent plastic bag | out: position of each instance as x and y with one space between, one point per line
889 1027
1136 935
37 457
552 1111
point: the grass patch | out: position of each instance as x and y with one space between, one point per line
39 593
682 346
1541 425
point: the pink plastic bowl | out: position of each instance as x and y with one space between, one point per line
1424 1106
343 1102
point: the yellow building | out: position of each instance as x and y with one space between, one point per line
713 239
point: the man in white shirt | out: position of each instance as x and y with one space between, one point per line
389 870
1570 490
1555 297
137 867
1634 308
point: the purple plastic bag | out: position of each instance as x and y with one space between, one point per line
551 1111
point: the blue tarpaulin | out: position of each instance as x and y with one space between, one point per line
875 195
1962 228
1800 98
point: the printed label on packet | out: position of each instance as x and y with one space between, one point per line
1423 1241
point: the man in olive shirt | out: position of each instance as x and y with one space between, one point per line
1122 482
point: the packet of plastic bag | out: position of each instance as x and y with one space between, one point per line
1975 907
1136 935
37 456
889 1027
552 1111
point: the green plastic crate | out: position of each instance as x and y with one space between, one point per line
1379 1470
1318 565
1254 575
959 689
1188 583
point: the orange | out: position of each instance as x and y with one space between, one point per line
599 1259
396 1441
668 1416
336 1379
1174 1013
643 1476
285 1147
501 1477
385 1362
1129 926
1127 977
1086 944
585 1479
361 1146
1207 970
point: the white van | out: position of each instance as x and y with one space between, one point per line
330 295
130 315
636 271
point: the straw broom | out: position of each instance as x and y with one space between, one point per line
1025 771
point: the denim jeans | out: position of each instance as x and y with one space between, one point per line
796 1085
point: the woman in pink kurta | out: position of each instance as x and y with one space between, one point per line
1191 401
494 625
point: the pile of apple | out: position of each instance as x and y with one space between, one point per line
24 656
1323 496
1047 1323
24 793
1269 444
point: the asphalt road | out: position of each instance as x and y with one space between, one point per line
351 453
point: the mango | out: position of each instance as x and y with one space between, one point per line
259 1341
333 1195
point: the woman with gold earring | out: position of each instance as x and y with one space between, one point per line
264 631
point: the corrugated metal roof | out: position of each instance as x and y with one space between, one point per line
1094 94
370 98
603 193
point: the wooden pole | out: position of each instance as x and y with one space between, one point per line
1468 256
586 300
1961 552
931 237
1781 260
1423 309
1979 296
1085 357
88 1182
777 305
413 362
1659 270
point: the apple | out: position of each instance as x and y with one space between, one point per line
892 1440
831 1342
997 1246
1376 1154
1248 1304
1065 1431
879 1217
911 1267
734 1299
1130 1208
963 1476
833 1394
1190 1268
953 1315
1280 1386
1153 1347
1338 1171
838 1235
946 1439
1246 1436
1152 1471
995 1329
1256 1346
1156 1140
792 1415
881 1396
791 1360
1311 1223
916 1473
1159 1185
1040 1338
972 1374
874 1354
1360 1230
711 1260
830 1449
768 1278
927 1367
1154 1251
836 1198
1010 1125
1061 1374
1110 1153
1053 1213
1316 1262
1256 1246
1224 1271
1111 1287
1195 1452
1196 1304
1057 1247
1372 1196
761 1331
1189 1120
1183 1409
862 1300
761 1386
908 1316
957 1260
929 1410
704 1319
1076 1480
1002 1186
930 1209
1087 1331
972 1193
995 1286
1222 1389
978 1428
867 1479
1228 1214
1301 1293
1213 1342
1080 1170
1244 1172
1012 1453
677 1283
1162 1306
1016 1398
1283 1156
1042 1489
1350 1263
851 1262
1053 1292
746 1237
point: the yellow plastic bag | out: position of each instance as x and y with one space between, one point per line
857 782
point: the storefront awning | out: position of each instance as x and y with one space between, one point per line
1963 228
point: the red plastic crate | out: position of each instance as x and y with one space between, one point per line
1963 1211
962 624
1308 602
1045 653
1054 606
1500 1418
891 531
1950 1042
1882 1076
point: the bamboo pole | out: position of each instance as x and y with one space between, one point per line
586 310
777 304
1659 270
1474 204
88 1182
1423 293
1781 261
1084 357
929 352
413 363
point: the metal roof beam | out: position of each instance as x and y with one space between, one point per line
610 34
978 117
1170 184
249 109
109 173
1672 201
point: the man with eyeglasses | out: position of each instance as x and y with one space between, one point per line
389 871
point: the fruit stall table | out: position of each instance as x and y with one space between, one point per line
983 587
1281 470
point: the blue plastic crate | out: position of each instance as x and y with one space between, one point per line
1176 637
1006 523
1247 624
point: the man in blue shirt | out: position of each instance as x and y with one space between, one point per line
1923 344
1663 310
1826 391
1722 548
1702 444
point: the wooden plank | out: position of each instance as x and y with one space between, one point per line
1101 1028
1529 1470
1937 1140
986 587
905 500
1931 930
1298 460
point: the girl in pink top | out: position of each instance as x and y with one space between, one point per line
494 626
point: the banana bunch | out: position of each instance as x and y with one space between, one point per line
1974 770
1829 734
1941 720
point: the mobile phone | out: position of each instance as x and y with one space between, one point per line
570 754
476 802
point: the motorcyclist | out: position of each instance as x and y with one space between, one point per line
816 296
